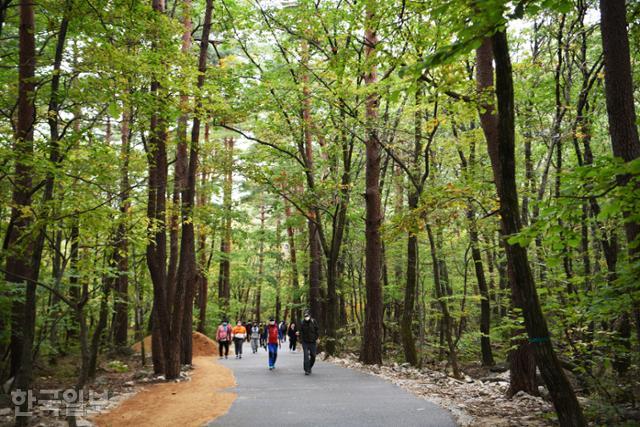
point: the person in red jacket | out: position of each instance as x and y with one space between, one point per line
273 341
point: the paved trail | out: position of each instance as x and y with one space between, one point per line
331 396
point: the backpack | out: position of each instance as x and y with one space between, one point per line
223 333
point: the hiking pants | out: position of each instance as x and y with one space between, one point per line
254 344
309 349
273 354
292 343
238 345
223 345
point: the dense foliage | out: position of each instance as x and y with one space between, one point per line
276 191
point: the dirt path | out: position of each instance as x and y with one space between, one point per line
185 404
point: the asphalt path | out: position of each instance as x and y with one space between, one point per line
330 396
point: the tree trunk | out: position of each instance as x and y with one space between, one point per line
156 253
521 374
57 271
485 308
406 326
202 281
502 154
103 317
619 86
78 300
398 270
372 343
476 256
225 242
295 284
121 317
18 265
139 309
261 268
441 294
187 270
622 120
333 254
54 156
276 248
180 167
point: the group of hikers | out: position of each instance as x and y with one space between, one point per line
270 337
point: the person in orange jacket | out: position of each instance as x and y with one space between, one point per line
239 335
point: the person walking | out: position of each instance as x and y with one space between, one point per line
223 336
292 332
282 327
239 335
273 341
263 336
255 337
309 337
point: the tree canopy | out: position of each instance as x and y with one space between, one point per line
450 181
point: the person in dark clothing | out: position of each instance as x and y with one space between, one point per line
293 336
309 334
283 331
263 336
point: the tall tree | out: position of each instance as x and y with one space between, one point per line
187 271
313 217
622 115
18 265
446 323
523 365
54 148
523 288
121 316
372 342
224 279
257 312
202 281
476 256
293 260
156 253
181 163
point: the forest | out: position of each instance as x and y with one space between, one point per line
445 183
